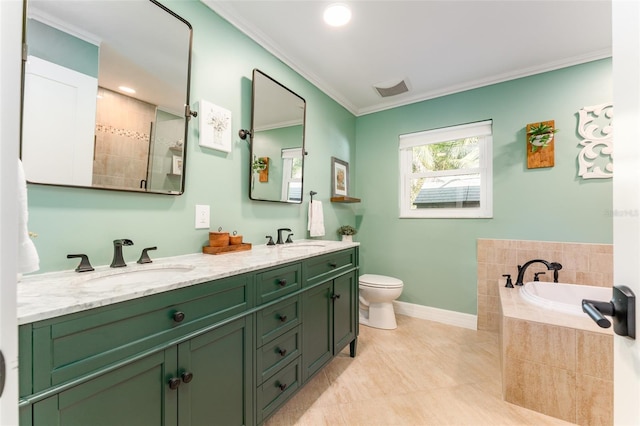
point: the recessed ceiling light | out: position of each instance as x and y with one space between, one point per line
126 89
337 14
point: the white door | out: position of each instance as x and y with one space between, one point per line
626 198
10 43
51 134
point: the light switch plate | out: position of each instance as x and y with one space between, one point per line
202 216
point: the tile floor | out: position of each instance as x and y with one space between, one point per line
423 373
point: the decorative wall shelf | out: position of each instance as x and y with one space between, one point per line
345 199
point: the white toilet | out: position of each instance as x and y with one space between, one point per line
377 293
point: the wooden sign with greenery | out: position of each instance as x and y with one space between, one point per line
541 144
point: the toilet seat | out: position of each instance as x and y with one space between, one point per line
379 281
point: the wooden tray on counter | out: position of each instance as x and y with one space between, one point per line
226 249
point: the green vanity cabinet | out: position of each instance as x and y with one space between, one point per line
329 321
133 394
71 346
220 388
203 381
225 352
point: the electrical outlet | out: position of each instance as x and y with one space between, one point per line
202 217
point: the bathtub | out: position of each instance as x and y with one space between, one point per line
563 297
547 352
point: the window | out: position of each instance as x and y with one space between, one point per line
447 173
292 175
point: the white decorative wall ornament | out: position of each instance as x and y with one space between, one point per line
215 126
596 129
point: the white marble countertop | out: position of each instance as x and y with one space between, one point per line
514 306
49 295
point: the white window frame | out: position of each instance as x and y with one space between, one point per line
483 131
288 155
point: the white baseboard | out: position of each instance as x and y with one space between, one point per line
457 319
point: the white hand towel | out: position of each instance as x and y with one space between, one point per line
28 260
316 219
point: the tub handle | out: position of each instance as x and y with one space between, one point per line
622 308
509 283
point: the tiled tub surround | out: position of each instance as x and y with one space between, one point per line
54 294
555 363
588 264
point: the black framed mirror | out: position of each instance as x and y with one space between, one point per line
277 141
105 95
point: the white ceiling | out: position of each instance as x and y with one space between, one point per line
438 47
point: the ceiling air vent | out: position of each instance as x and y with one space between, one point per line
385 91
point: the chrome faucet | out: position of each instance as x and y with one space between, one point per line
551 266
118 260
280 235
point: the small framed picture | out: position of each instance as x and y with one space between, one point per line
339 177
176 169
215 126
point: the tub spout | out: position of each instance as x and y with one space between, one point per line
551 266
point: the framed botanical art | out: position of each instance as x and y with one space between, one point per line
339 177
215 127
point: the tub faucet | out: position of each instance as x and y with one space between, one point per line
280 235
551 266
118 260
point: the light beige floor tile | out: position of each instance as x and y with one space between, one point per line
423 373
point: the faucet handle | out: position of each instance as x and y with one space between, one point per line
509 283
144 256
289 240
270 242
535 275
85 265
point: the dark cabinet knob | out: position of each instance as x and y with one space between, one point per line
333 264
282 352
178 316
282 386
335 296
282 282
187 377
174 382
282 318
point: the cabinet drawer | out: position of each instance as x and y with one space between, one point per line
70 346
278 282
274 320
277 389
278 352
328 266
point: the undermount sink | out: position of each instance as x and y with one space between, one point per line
302 245
125 275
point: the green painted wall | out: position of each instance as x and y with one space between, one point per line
70 220
58 47
436 258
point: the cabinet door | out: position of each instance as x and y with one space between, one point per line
136 394
219 390
345 296
317 327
